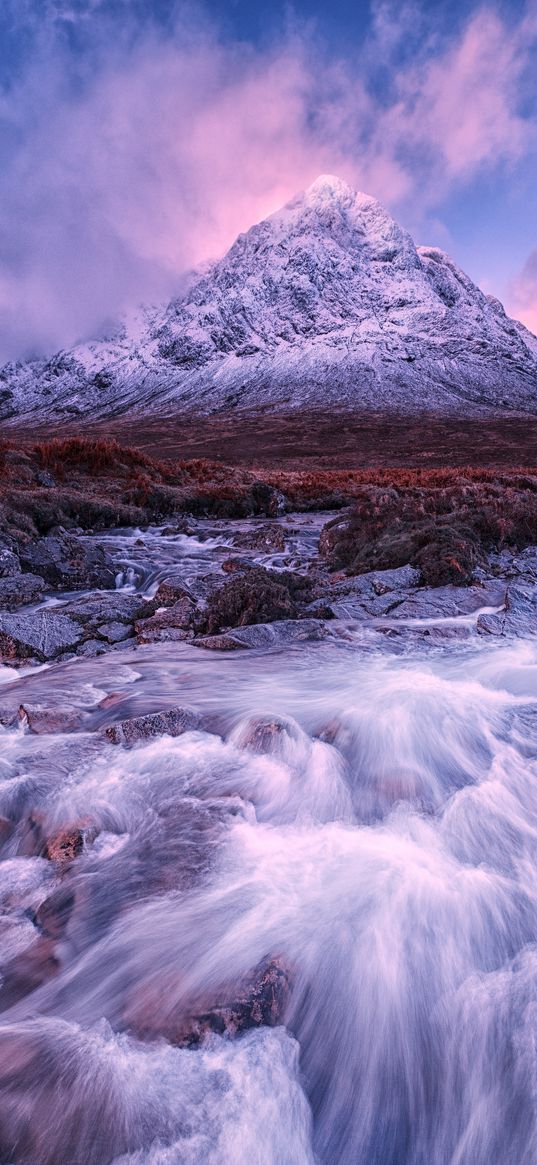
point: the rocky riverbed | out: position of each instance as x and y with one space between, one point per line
268 835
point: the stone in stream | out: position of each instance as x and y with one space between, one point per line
114 632
163 624
172 722
65 561
58 844
280 633
266 537
27 971
40 635
519 617
41 720
169 592
258 999
19 589
266 735
101 610
449 601
9 563
66 845
52 916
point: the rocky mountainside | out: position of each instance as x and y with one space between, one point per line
326 303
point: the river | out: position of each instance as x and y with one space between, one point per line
361 810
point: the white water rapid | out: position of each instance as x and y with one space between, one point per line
362 812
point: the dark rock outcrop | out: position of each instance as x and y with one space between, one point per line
67 562
17 590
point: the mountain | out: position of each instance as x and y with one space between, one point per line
327 303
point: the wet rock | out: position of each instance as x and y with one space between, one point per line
519 617
376 582
99 610
260 1000
9 563
267 537
41 720
40 635
180 618
114 632
264 635
58 844
320 609
448 601
63 847
172 722
16 590
91 648
331 534
399 579
28 971
169 592
266 735
223 642
369 606
236 565
52 916
65 561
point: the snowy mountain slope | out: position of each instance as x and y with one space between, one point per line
327 302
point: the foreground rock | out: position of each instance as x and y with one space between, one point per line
17 590
519 616
67 562
40 720
259 999
173 722
173 623
40 635
263 635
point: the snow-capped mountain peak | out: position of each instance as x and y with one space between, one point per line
326 302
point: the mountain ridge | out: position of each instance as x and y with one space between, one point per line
328 302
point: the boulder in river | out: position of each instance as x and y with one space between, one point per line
279 633
41 720
519 616
162 625
169 592
68 562
16 590
9 563
40 635
172 722
265 537
260 1000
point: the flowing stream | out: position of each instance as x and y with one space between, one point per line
360 810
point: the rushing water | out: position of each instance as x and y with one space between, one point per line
379 838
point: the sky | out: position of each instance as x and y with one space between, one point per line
139 137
